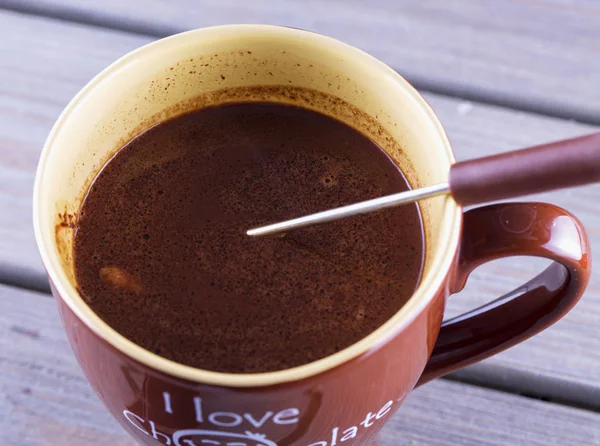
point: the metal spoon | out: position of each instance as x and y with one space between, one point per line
561 164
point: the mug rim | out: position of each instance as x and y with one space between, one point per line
423 295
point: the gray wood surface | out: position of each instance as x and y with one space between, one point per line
41 71
532 54
47 401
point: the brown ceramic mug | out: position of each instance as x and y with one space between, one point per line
346 397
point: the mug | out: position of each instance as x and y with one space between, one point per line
348 396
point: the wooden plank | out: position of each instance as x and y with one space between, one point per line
46 400
531 54
35 87
47 78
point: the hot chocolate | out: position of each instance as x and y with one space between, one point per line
162 255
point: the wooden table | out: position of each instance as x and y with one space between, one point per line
500 75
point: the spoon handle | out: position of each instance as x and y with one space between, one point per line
561 164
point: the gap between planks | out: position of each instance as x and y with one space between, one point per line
24 278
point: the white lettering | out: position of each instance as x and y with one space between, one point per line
368 421
334 435
260 422
319 443
385 409
158 435
167 400
349 433
198 409
236 419
283 417
128 414
246 439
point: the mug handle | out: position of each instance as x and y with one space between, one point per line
504 230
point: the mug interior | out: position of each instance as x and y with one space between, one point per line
232 64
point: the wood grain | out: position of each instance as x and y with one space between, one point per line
41 71
45 399
532 54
